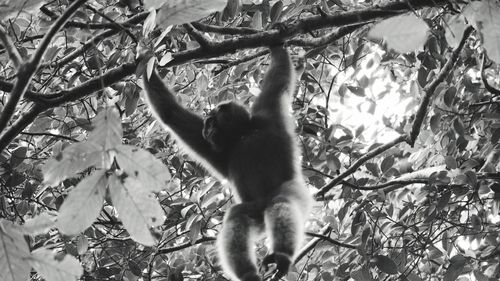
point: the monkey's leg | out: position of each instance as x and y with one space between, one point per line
241 226
285 230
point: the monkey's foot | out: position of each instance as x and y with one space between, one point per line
282 262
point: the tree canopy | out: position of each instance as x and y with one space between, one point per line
397 111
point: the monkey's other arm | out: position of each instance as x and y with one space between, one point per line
187 126
278 83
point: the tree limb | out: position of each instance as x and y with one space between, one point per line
431 88
26 70
354 167
12 51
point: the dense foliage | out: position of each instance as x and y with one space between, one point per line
397 109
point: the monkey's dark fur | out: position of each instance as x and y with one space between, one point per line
257 152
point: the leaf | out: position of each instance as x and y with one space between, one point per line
183 11
451 162
151 172
405 33
256 20
333 162
276 11
83 204
436 123
13 251
456 267
39 224
50 269
18 156
74 159
385 264
107 131
387 163
358 91
10 8
165 59
150 23
137 208
82 244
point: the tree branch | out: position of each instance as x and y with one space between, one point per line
354 167
26 70
12 51
224 30
204 43
431 88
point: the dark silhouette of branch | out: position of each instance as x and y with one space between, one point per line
96 39
9 46
184 245
326 39
431 88
230 45
302 26
330 240
88 87
117 25
240 61
204 43
26 70
369 155
224 30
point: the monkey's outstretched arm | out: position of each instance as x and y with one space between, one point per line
278 83
186 125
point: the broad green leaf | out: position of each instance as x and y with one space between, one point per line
183 11
385 264
13 252
75 158
44 262
136 162
83 204
107 131
405 33
137 208
39 224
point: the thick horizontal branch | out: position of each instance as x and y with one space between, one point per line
88 87
274 37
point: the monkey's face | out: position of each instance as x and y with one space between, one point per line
225 124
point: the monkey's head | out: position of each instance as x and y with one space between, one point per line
226 124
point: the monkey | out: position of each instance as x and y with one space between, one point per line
257 151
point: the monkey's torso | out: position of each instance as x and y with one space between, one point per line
262 160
